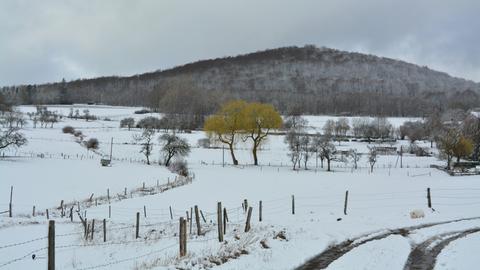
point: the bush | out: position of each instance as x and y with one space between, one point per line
92 143
68 129
179 167
142 111
204 143
127 123
77 133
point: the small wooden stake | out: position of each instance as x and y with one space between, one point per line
110 211
104 230
260 211
144 211
429 198
346 203
203 217
33 211
171 214
293 204
249 215
48 217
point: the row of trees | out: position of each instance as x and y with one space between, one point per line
303 146
241 120
175 122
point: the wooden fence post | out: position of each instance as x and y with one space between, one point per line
93 229
62 213
137 230
219 221
33 211
71 214
10 214
429 198
197 220
346 203
48 217
183 237
203 217
293 204
104 230
51 245
225 220
249 215
109 211
171 214
245 205
191 219
144 211
88 230
260 211
108 194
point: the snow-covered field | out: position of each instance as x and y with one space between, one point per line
53 167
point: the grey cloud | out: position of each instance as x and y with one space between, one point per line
47 40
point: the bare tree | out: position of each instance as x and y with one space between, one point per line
325 148
11 137
145 139
127 122
355 156
372 157
173 146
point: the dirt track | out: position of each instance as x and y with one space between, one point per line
422 256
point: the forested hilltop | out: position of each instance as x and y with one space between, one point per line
307 80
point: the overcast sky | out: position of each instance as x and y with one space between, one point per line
43 41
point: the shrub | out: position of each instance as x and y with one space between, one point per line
204 143
92 143
179 167
77 133
68 129
142 111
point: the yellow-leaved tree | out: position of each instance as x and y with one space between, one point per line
260 120
227 124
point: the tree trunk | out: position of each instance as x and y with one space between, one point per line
254 151
167 162
328 164
234 160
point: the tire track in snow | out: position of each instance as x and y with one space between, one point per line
424 255
332 253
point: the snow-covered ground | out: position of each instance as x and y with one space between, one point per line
53 167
